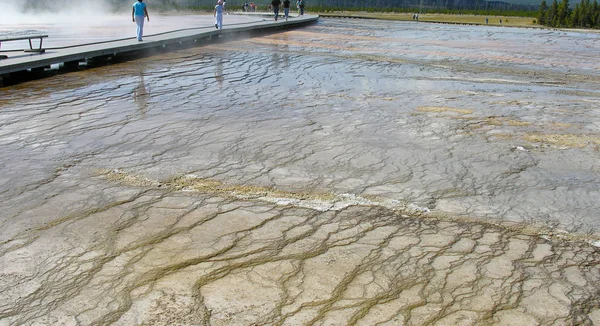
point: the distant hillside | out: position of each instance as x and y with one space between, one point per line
429 5
526 2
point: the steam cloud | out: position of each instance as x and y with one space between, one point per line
54 11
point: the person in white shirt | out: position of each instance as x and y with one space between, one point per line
218 13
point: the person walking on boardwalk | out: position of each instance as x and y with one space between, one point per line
138 13
275 4
286 9
218 13
301 6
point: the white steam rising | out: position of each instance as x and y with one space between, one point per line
53 11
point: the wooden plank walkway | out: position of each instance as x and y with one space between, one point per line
18 61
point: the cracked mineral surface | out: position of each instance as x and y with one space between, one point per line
347 173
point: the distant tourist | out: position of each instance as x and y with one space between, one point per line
275 4
301 6
500 21
218 14
286 9
138 13
298 6
486 21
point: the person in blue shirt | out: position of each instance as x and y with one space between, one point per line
218 13
137 15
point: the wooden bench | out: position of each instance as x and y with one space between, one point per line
24 37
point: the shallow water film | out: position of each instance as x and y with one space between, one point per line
354 172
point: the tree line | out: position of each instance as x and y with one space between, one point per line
478 7
584 15
481 7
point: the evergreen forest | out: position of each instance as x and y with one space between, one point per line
584 15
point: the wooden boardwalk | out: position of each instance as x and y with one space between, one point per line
19 61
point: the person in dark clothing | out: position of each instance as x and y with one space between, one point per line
275 4
301 5
286 9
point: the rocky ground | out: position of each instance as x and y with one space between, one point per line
350 173
187 254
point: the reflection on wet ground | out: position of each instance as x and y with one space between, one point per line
352 172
